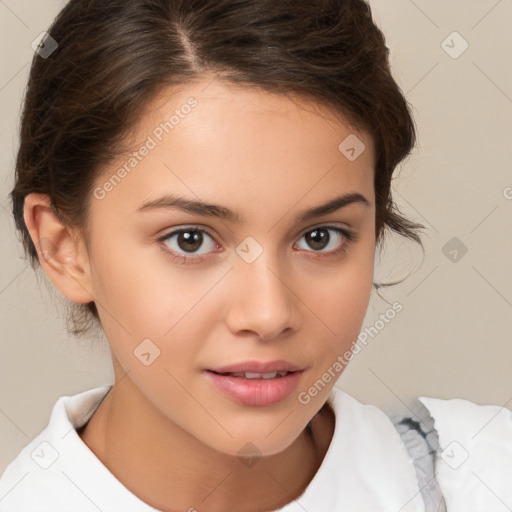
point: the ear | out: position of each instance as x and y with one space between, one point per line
61 250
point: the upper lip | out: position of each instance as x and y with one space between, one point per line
258 367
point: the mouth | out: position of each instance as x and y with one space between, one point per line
257 369
255 375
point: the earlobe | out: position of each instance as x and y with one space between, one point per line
59 248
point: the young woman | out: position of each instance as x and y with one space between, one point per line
209 182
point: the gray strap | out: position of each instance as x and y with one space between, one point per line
422 442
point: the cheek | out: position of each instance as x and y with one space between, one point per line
145 296
149 307
340 301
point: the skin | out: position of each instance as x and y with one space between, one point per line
269 157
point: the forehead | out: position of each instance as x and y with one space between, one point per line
234 142
290 112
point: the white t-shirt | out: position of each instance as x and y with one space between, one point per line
366 468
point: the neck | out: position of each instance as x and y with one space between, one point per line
181 471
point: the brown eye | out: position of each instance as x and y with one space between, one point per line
321 238
189 241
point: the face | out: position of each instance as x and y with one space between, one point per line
180 291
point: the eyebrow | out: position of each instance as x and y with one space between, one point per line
221 212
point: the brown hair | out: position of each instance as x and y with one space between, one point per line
113 57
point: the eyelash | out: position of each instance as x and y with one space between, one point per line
349 238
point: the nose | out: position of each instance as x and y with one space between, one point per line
262 300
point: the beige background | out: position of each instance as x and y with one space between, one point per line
453 337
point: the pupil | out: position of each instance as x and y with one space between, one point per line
191 242
318 239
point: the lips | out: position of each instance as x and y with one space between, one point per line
255 391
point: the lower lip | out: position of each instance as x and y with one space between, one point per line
258 392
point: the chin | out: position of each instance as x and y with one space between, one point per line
252 447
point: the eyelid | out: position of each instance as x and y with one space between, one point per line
326 224
204 229
184 227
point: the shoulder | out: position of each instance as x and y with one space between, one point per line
470 449
57 469
474 463
367 465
